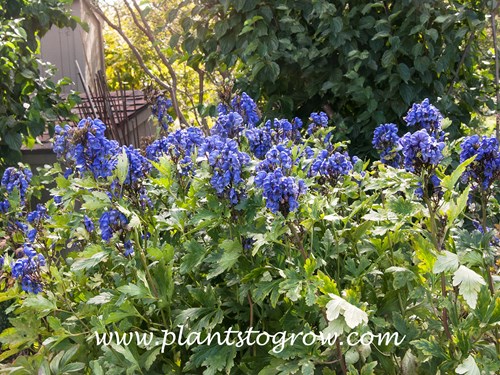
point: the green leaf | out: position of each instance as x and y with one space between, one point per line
338 306
446 262
13 140
468 367
86 263
121 170
133 290
448 182
101 299
368 368
96 201
232 251
388 59
469 283
404 72
193 258
40 304
456 208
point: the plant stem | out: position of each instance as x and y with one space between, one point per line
435 240
298 240
148 274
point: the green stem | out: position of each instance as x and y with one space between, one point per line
151 283
491 286
297 240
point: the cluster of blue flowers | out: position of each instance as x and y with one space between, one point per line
260 141
160 110
418 151
386 141
35 218
129 248
112 221
227 164
277 157
280 190
331 165
244 106
282 130
138 166
228 126
4 206
27 269
485 168
319 120
86 148
14 178
247 108
89 224
421 151
426 116
179 145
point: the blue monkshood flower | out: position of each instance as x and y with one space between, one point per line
421 151
228 126
308 152
63 146
89 149
2 261
17 226
177 145
227 164
246 107
248 243
330 166
160 110
386 141
28 270
281 192
319 120
426 116
144 200
89 224
14 178
282 131
111 222
4 206
68 172
129 248
138 166
259 140
485 168
35 217
277 157
28 250
32 235
57 199
222 109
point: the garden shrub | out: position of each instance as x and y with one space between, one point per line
30 102
364 61
265 225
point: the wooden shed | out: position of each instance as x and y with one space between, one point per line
65 47
79 55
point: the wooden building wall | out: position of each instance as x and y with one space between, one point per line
62 47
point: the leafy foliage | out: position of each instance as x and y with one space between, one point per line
364 61
360 252
29 101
